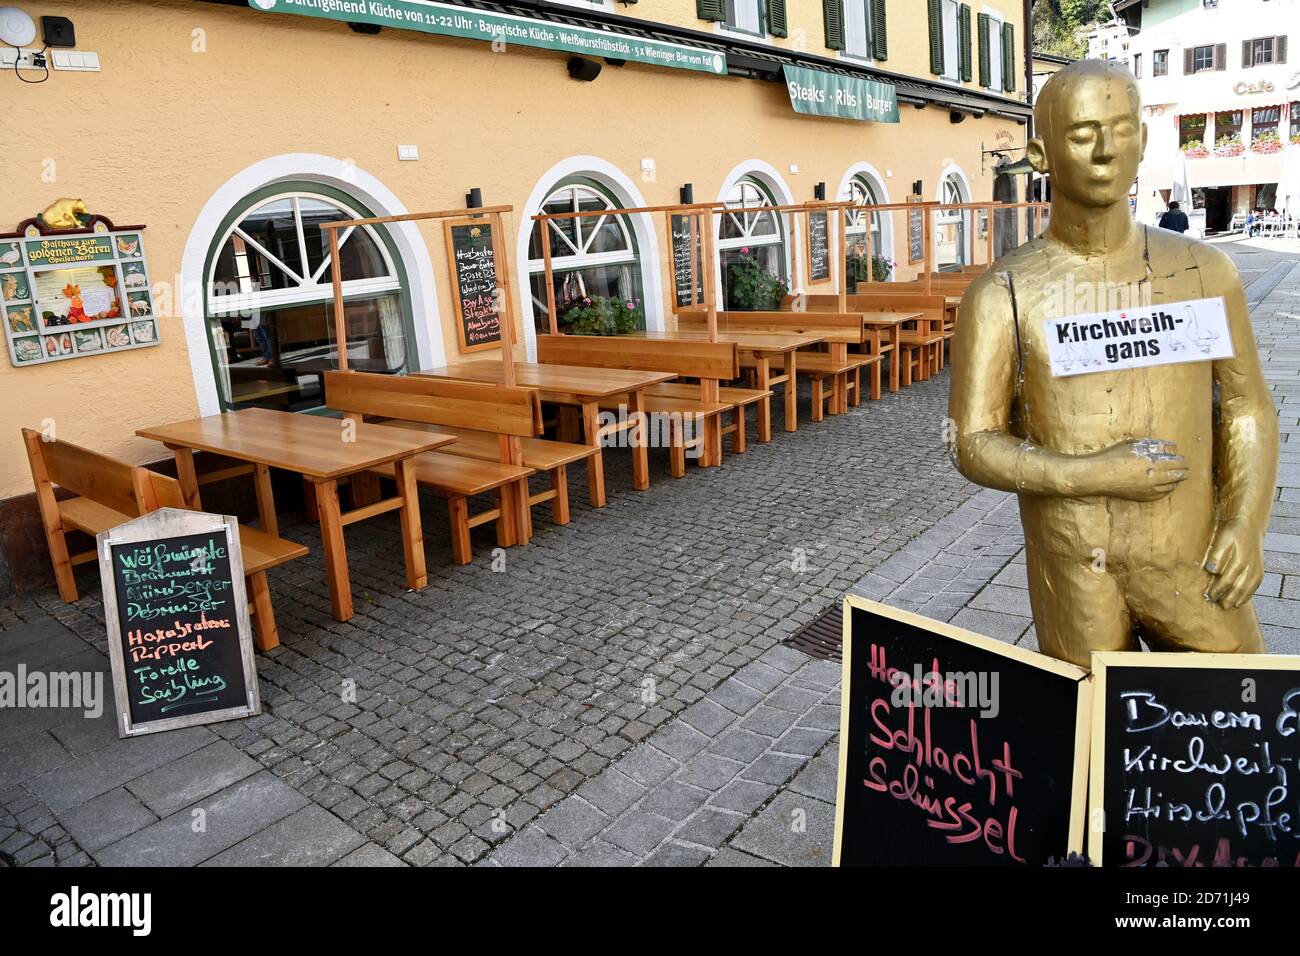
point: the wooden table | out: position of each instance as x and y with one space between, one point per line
581 387
890 324
322 450
763 347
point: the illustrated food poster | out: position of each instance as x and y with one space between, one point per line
72 295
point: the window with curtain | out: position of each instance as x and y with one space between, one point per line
951 226
270 307
750 236
1265 119
857 28
858 225
1227 124
591 256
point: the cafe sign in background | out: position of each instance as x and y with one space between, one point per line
455 21
818 93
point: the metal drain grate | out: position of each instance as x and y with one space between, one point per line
823 638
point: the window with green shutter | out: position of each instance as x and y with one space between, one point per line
777 23
986 66
833 18
935 11
711 9
879 31
1008 57
964 52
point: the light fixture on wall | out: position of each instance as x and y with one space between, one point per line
917 188
819 192
585 70
687 194
474 198
16 27
956 116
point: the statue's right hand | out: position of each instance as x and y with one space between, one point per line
1143 469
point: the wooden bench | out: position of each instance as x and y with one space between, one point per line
110 493
838 330
509 413
710 363
922 346
738 398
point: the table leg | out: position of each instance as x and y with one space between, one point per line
640 440
265 499
417 578
791 393
187 476
763 372
596 463
567 429
336 555
896 339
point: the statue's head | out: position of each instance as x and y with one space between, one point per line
1090 132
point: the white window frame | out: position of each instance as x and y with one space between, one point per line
995 50
754 9
587 228
746 222
863 7
949 22
310 289
861 189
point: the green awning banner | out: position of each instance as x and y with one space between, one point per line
446 19
819 93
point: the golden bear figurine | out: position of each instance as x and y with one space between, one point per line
65 214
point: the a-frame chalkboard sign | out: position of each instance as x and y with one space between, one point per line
955 749
177 615
1195 760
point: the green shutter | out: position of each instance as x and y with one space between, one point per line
879 31
1008 58
777 24
833 18
986 66
963 29
711 9
936 37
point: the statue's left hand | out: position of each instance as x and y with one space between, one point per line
1235 562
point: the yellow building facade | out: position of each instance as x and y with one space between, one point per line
228 131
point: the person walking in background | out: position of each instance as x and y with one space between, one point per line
1252 220
1174 219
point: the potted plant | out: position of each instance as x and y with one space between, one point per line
1267 142
1195 149
751 288
599 315
1229 146
1295 139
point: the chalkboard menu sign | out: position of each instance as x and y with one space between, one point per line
1195 760
177 618
916 234
819 249
955 749
684 266
474 283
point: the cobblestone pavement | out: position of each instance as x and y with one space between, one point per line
489 697
746 777
617 694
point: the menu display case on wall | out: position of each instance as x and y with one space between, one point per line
70 295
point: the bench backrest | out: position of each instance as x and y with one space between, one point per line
832 326
129 489
482 406
934 306
690 359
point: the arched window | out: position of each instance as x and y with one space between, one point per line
952 226
590 256
751 238
269 298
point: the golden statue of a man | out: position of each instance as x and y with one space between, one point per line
1144 491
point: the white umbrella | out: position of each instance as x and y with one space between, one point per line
1181 191
1287 199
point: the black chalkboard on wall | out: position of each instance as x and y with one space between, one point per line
819 248
686 267
178 631
1195 760
916 234
983 765
474 283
